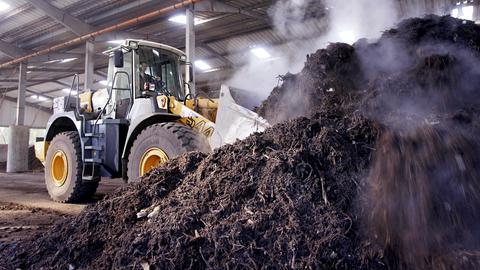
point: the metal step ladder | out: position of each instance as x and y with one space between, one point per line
92 154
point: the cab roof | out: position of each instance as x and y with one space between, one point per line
140 42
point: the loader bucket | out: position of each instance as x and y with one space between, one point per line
235 116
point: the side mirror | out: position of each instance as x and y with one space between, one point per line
118 58
190 72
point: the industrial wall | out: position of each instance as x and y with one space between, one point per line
33 134
33 117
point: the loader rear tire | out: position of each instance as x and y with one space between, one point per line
160 142
63 169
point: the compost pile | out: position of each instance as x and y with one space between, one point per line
280 199
345 180
423 200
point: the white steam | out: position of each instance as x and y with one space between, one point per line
310 25
360 18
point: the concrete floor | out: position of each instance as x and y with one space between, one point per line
28 189
26 208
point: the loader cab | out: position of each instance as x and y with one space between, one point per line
157 71
138 72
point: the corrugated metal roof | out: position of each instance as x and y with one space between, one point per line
224 41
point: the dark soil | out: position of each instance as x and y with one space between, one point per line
425 207
329 77
280 199
18 223
381 175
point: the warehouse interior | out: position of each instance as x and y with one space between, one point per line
224 38
280 52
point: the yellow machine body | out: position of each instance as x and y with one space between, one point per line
86 101
198 114
41 150
224 120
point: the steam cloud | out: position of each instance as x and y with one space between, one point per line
310 25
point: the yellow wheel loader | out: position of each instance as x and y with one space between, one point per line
145 116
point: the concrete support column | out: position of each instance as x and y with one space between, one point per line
89 64
190 47
17 156
22 87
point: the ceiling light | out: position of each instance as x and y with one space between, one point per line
212 70
37 97
119 41
66 60
182 19
454 13
464 13
347 37
467 13
202 65
4 6
261 53
67 90
103 82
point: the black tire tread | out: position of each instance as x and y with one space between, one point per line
190 139
80 190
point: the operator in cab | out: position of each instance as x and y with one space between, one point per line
146 79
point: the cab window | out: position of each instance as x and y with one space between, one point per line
157 70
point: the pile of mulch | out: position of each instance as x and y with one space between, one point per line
374 178
280 199
422 200
329 77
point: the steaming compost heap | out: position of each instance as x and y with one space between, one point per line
386 121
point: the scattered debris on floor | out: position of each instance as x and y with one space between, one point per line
18 223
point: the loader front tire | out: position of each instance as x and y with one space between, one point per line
63 169
160 142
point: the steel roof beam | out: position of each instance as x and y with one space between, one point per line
30 104
34 83
72 23
55 80
77 26
116 27
15 52
224 59
10 50
217 6
39 94
16 80
75 70
60 89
